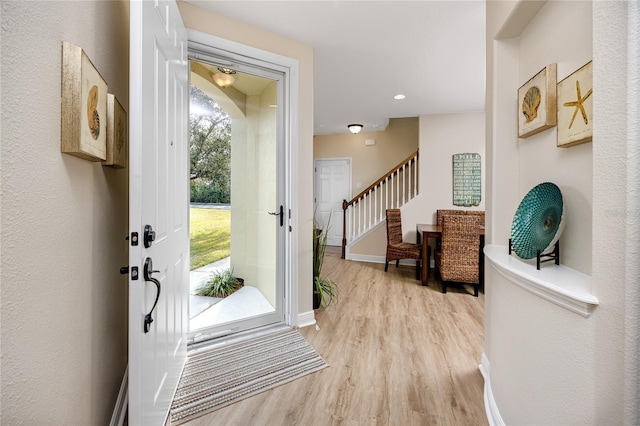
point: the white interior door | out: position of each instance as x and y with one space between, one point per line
332 186
157 198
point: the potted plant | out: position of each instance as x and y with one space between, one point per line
325 290
220 284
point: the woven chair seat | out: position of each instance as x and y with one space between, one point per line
404 251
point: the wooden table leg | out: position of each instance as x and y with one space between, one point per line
425 260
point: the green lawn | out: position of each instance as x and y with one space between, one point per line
210 236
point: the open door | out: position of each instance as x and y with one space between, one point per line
158 221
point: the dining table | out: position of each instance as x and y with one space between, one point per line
426 231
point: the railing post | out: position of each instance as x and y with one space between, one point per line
345 206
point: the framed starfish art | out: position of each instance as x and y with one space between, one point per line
575 107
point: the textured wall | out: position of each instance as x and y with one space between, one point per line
616 212
548 365
63 301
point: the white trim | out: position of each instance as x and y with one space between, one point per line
370 258
366 258
233 49
306 319
559 284
491 408
122 403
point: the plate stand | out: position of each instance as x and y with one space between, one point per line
541 258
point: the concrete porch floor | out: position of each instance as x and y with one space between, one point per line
208 311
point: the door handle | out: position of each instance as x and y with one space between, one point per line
147 272
281 214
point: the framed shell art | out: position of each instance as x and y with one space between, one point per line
84 106
575 107
537 103
117 132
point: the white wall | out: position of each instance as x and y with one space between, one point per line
253 193
302 212
549 365
561 34
441 136
64 220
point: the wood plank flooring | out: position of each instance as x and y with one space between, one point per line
399 354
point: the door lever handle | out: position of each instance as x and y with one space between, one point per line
147 272
281 214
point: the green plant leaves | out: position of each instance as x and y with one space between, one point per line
221 284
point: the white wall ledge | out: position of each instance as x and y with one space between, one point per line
559 284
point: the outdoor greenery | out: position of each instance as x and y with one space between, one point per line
210 150
210 236
221 284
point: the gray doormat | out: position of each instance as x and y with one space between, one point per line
221 376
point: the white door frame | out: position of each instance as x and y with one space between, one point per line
216 45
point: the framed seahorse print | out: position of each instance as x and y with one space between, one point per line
84 106
537 103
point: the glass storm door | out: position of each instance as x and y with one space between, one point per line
253 97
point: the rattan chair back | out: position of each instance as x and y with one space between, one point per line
460 250
440 214
396 248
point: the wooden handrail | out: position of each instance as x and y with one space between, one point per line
379 181
346 204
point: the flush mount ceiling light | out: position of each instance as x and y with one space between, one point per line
399 96
224 78
355 128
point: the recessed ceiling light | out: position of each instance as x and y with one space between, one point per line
399 96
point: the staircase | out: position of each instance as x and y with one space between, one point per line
367 209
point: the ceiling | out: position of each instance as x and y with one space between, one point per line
365 52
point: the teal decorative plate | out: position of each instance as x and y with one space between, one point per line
538 222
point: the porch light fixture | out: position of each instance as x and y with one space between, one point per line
355 128
224 78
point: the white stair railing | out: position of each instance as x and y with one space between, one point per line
367 209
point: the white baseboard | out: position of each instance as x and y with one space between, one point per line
379 259
306 319
122 403
491 408
366 258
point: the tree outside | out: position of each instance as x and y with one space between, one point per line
210 150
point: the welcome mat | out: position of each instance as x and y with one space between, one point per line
221 376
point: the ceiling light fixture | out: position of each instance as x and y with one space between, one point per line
399 96
355 128
224 78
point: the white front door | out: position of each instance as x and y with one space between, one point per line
158 221
332 186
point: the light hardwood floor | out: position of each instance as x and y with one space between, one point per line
399 354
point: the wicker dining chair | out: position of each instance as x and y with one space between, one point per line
440 214
398 249
458 258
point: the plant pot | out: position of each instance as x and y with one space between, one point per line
316 300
